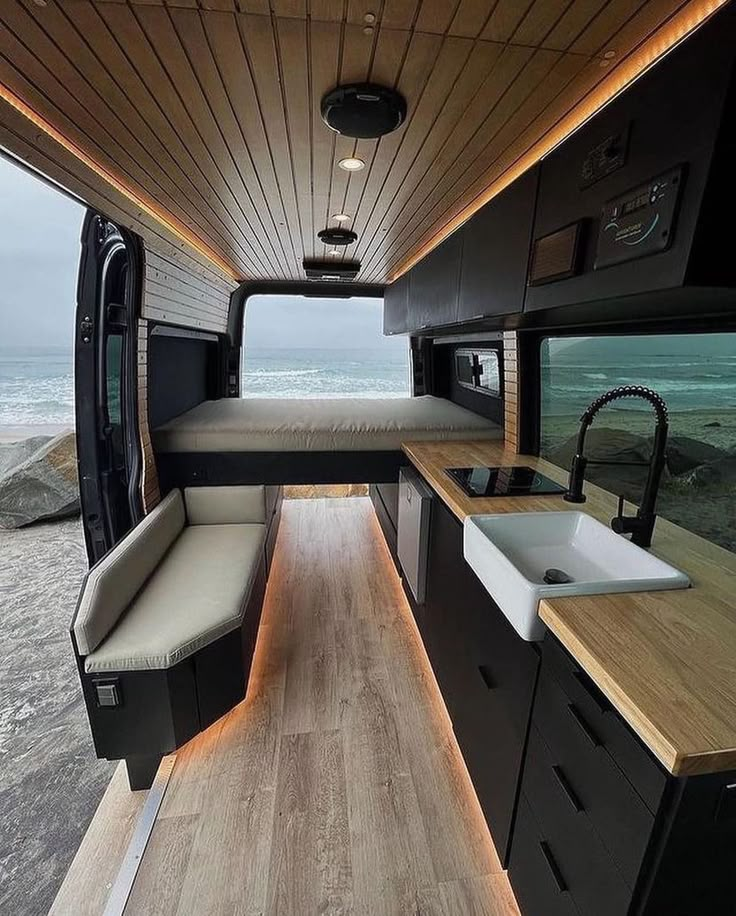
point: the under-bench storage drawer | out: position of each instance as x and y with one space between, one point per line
538 883
583 863
604 725
590 777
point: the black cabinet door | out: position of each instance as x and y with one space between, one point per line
396 306
496 243
486 673
433 287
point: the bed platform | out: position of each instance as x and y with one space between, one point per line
305 441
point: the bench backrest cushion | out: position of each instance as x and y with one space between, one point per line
113 582
239 505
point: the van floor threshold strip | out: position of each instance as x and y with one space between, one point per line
123 885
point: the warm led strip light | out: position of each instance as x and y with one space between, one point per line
162 216
664 39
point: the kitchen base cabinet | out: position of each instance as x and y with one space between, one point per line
486 673
602 828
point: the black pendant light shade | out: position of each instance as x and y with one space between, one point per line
363 110
337 236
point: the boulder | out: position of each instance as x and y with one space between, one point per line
43 485
720 473
14 453
684 454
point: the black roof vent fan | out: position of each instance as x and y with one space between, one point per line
334 236
363 110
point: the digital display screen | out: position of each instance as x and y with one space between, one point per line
635 203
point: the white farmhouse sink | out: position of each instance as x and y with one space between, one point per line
511 554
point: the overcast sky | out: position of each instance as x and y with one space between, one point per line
39 258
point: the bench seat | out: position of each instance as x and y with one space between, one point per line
197 594
167 622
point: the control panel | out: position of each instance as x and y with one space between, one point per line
639 222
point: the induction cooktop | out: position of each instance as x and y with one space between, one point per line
506 481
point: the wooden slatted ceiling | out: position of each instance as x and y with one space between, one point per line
210 108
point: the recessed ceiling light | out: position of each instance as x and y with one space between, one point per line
341 217
351 164
610 54
335 252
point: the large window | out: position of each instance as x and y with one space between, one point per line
696 376
298 347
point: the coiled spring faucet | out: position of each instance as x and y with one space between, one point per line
640 527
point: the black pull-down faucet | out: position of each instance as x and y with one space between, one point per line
640 527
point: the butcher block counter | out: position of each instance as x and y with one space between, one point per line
665 660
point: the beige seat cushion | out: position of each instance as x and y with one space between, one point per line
333 424
112 584
225 505
195 596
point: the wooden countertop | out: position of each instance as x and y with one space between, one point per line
665 660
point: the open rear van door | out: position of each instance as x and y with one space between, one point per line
105 370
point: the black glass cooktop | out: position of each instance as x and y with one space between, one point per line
511 481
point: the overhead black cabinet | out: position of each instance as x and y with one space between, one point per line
433 288
496 252
486 673
396 306
647 188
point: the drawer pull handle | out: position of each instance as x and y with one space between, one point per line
553 866
567 788
583 725
485 674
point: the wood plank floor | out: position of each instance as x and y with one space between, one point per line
336 787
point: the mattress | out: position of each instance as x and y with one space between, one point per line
302 425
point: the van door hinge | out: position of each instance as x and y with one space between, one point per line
86 328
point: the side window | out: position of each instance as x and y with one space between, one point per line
696 376
479 370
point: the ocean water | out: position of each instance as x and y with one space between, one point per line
691 373
37 386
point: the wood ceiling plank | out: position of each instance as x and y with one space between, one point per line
258 41
189 28
357 53
505 71
539 21
296 78
505 19
224 38
449 61
386 69
612 17
199 123
175 121
399 14
324 62
435 16
471 18
483 56
291 9
573 22
256 7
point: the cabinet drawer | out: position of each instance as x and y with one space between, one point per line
601 789
626 749
586 866
538 884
